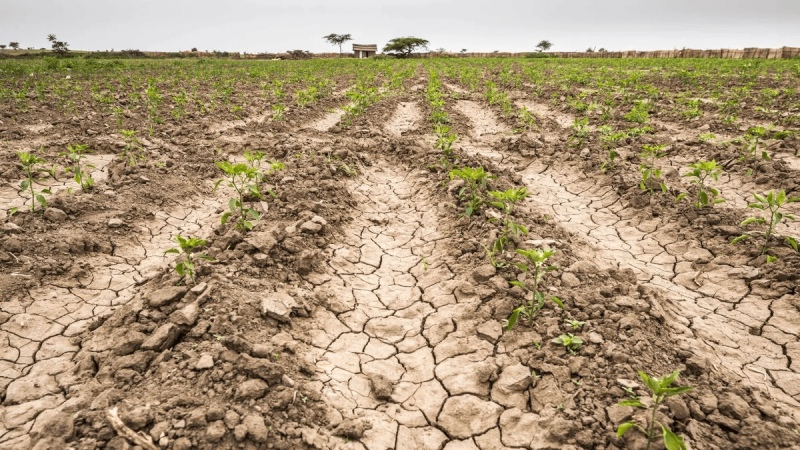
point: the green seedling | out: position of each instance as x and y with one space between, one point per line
505 201
611 141
31 165
278 112
445 139
188 259
706 137
580 132
639 113
571 342
244 179
706 195
263 168
750 151
133 151
527 120
75 154
475 180
575 324
661 389
650 174
535 269
772 202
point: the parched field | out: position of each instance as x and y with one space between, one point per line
406 254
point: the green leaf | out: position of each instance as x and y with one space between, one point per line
624 427
681 197
216 185
225 217
703 197
669 392
741 238
650 382
771 259
671 440
512 320
635 402
172 250
557 301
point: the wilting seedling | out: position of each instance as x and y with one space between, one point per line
186 248
706 195
535 269
772 202
475 180
31 166
77 153
648 170
661 388
571 342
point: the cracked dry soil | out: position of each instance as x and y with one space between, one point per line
364 316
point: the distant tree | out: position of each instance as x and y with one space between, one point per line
544 45
590 50
405 46
338 39
2 46
59 47
463 50
602 49
194 49
14 45
441 50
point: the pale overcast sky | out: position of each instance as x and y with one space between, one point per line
505 25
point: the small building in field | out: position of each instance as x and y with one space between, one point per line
364 51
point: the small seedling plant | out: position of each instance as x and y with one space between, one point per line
772 202
31 165
445 138
648 170
750 151
535 269
244 179
580 132
571 342
133 152
505 201
475 180
701 172
661 388
76 154
185 268
257 161
611 140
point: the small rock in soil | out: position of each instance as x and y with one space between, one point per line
483 273
55 215
138 417
310 227
206 361
260 368
569 280
733 406
491 331
278 306
256 428
11 228
163 338
115 223
352 428
196 418
251 389
215 431
381 387
231 419
165 296
182 444
53 424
